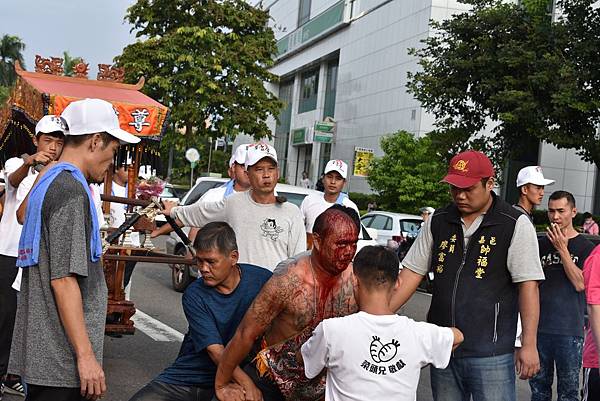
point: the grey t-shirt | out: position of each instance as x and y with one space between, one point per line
523 259
266 233
41 351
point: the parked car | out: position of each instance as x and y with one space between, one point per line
426 284
397 227
182 275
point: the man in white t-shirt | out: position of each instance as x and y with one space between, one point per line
334 179
19 176
376 354
269 228
239 179
118 188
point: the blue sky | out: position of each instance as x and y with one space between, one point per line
92 29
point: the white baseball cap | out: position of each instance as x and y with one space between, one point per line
427 209
48 124
239 156
337 165
89 116
258 151
532 175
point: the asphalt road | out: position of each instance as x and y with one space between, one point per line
132 361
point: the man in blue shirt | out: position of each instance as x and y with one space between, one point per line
214 305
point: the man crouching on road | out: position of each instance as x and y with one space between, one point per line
303 291
214 305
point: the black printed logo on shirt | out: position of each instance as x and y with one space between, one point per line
270 229
383 356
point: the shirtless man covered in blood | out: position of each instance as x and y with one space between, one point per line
301 293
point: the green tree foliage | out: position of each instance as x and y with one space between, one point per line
69 62
510 67
205 60
11 50
408 176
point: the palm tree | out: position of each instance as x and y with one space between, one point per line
11 48
70 62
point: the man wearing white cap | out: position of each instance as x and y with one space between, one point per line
239 179
19 176
531 183
269 228
334 179
59 329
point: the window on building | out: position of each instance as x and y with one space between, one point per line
330 89
282 130
309 86
303 12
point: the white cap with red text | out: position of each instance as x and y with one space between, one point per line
337 165
239 156
532 175
90 116
258 151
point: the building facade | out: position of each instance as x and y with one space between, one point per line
346 62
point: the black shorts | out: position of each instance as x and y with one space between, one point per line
591 384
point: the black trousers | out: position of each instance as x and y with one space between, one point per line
591 384
159 391
8 308
45 393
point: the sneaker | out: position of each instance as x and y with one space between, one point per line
1 390
14 386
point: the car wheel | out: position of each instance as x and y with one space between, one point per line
180 273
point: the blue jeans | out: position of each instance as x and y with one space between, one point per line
485 379
565 352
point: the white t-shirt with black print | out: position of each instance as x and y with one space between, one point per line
375 357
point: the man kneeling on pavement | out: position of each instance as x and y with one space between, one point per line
214 305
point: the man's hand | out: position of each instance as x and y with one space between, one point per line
231 392
251 392
558 238
527 362
91 375
167 206
41 157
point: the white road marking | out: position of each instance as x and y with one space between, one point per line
155 329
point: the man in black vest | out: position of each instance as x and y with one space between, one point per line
485 260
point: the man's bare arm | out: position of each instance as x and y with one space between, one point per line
408 285
215 352
165 229
70 309
528 361
268 304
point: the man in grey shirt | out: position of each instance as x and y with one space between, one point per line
484 257
59 330
269 229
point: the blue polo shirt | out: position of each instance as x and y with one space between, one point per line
213 319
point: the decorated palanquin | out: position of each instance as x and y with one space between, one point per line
48 91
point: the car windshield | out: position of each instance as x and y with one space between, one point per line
294 198
200 189
411 226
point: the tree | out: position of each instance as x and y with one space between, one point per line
207 60
509 66
407 177
70 62
11 48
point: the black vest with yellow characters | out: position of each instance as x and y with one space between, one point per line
472 287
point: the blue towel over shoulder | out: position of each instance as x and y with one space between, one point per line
29 243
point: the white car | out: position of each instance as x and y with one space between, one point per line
390 226
182 275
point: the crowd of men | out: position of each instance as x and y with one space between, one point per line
285 308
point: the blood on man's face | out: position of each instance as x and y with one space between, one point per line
337 243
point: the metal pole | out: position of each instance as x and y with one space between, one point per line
192 176
209 154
